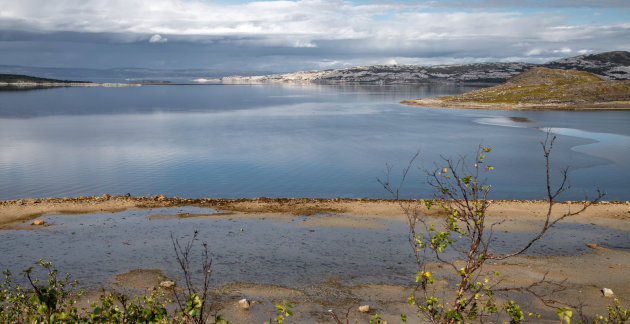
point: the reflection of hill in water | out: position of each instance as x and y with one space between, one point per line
149 99
14 88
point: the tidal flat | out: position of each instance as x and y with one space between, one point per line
319 253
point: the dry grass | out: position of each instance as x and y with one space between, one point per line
540 88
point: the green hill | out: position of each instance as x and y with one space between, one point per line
541 88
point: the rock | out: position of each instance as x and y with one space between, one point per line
607 292
127 195
364 308
167 283
592 245
20 202
106 196
244 303
38 222
161 197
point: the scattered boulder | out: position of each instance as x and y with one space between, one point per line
167 284
364 308
106 196
20 202
607 292
592 245
244 303
38 222
161 197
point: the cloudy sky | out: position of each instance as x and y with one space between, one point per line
285 36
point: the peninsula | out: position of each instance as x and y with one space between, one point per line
541 88
26 82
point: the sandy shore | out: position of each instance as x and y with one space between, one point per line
516 215
586 274
437 102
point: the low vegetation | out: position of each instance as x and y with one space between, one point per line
541 88
549 86
475 294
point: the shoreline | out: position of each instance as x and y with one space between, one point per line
438 103
606 213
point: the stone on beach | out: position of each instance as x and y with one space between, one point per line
167 284
38 222
364 308
607 292
244 303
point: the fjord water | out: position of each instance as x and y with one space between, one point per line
233 141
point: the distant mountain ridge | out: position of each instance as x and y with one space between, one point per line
121 74
608 66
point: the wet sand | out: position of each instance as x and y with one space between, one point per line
586 274
516 215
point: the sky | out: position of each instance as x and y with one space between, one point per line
286 36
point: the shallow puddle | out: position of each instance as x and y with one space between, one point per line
96 247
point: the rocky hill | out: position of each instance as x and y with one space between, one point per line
542 88
609 66
396 74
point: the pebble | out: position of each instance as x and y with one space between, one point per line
167 283
607 292
244 303
38 222
364 308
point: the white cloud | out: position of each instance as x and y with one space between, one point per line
304 44
335 30
157 38
298 22
533 52
564 50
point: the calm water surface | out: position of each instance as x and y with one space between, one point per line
286 141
